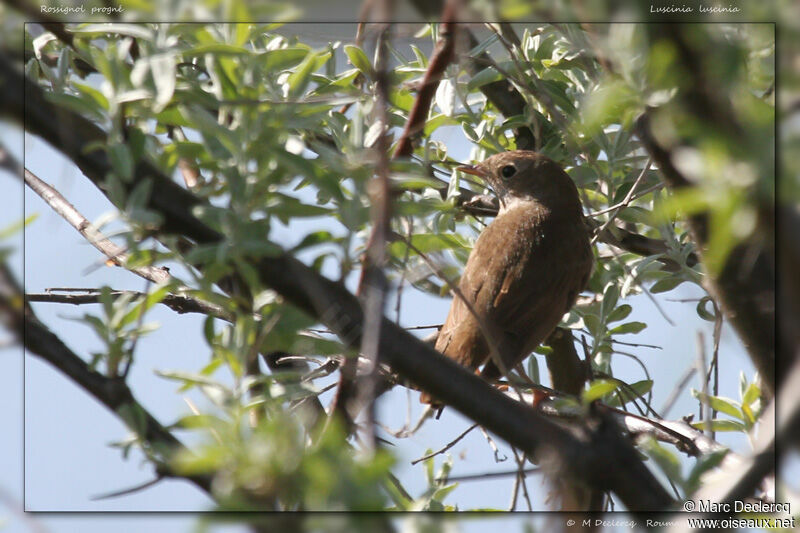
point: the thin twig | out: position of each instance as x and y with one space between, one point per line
130 490
514 493
445 447
645 290
374 259
715 355
498 457
490 475
135 336
403 267
622 204
520 459
442 57
159 444
179 304
114 253
673 396
701 368
625 202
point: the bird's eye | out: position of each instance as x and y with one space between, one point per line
508 171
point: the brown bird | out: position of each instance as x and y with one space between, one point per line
526 269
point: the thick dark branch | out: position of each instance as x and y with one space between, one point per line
113 393
599 454
789 295
680 434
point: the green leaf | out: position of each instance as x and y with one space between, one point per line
201 421
628 327
153 298
610 298
638 389
704 464
121 160
220 141
749 415
283 58
414 181
422 60
286 207
313 239
702 310
533 369
440 494
40 42
438 121
299 79
429 242
77 104
666 284
720 403
752 394
597 389
217 49
446 97
189 379
666 460
162 67
14 227
720 424
619 313
359 60
208 329
401 502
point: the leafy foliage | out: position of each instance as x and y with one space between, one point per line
282 133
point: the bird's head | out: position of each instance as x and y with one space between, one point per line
526 175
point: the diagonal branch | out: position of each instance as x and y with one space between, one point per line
442 57
158 443
595 451
115 253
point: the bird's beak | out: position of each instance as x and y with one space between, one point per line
475 170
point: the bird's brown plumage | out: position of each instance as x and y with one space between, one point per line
526 269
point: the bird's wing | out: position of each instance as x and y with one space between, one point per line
541 273
517 282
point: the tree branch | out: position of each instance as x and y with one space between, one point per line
158 443
116 254
179 304
594 452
